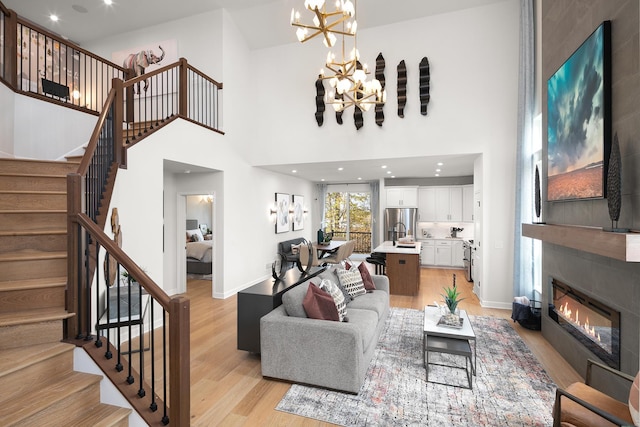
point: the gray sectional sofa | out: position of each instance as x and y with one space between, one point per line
323 353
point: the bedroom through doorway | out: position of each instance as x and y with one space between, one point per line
199 238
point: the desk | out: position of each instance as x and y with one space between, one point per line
324 249
403 267
260 299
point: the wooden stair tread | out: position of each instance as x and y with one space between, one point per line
14 359
32 211
32 175
47 192
31 255
33 232
101 415
48 282
18 407
35 315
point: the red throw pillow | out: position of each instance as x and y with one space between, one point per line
347 266
319 304
366 277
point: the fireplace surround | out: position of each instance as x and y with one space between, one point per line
592 323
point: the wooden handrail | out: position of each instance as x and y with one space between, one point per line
204 76
119 255
93 140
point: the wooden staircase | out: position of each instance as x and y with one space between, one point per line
38 385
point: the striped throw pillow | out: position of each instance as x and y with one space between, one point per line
338 298
351 280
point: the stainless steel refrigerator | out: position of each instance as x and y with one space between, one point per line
402 221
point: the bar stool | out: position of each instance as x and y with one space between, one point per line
379 260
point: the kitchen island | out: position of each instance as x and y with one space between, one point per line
403 266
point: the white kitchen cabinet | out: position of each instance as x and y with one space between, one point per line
443 253
457 253
467 203
402 197
427 252
427 204
448 204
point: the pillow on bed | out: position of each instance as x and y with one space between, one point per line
195 235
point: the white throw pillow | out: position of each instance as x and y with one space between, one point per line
195 235
351 280
338 298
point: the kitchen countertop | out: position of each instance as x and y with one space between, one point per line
387 247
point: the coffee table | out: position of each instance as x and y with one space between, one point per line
449 340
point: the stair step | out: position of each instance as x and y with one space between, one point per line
102 415
46 282
37 315
23 181
31 264
23 335
33 219
13 299
51 402
21 368
33 199
41 240
38 167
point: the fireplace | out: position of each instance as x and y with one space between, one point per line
592 323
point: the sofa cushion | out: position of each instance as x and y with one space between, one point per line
377 301
365 322
330 287
366 277
330 274
292 300
352 282
319 304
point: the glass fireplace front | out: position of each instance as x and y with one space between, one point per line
592 323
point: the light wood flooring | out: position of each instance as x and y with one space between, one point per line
227 388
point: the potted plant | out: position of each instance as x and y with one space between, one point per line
451 299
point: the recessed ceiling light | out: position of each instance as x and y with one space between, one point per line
388 172
187 171
340 169
79 9
393 176
438 170
294 171
54 17
384 166
437 174
359 179
108 2
440 164
322 179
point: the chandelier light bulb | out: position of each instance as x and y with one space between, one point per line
333 82
359 76
348 8
301 33
330 40
316 21
354 27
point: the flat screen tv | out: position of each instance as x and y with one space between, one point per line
579 121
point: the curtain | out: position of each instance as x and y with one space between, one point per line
375 214
523 283
321 194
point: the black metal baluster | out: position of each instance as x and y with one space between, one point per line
141 391
79 307
98 343
130 378
119 367
165 418
153 406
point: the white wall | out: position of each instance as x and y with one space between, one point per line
6 121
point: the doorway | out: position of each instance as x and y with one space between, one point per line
348 215
196 227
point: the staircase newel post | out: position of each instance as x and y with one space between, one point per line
10 49
118 119
179 361
184 89
73 304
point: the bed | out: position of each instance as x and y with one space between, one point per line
199 250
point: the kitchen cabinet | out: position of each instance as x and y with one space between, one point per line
448 204
427 252
467 203
443 253
402 197
457 253
427 204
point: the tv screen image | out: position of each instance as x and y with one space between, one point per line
579 121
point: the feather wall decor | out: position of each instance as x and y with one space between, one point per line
380 64
425 79
402 88
320 101
614 182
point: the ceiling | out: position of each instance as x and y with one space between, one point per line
83 21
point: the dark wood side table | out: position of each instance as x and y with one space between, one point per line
259 300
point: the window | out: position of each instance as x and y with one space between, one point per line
348 215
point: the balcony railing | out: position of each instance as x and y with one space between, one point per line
362 238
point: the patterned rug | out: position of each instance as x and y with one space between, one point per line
511 388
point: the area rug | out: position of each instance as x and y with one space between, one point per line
510 389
